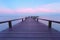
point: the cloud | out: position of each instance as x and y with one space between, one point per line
47 8
6 10
34 10
53 6
25 10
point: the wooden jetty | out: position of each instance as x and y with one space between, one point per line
30 29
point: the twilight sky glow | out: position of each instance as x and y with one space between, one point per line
29 6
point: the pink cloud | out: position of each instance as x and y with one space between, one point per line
44 10
54 7
5 10
48 8
35 10
25 10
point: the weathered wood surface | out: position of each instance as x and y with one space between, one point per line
30 30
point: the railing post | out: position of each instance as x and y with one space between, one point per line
50 24
37 19
22 19
10 24
25 18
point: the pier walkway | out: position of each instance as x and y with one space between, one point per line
30 29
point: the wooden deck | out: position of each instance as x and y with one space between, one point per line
30 30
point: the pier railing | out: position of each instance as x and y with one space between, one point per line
49 21
10 22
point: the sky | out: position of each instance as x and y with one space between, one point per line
29 6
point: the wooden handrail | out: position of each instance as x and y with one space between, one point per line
10 22
50 21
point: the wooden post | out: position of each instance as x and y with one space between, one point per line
25 18
37 19
10 24
22 19
50 24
